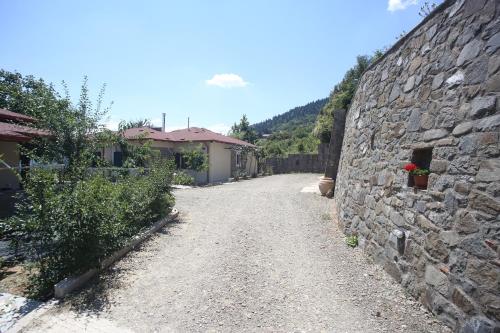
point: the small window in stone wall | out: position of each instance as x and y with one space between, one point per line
422 158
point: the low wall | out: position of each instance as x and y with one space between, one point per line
433 99
314 163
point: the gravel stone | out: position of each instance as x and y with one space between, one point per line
252 256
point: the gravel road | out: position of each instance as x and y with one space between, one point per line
257 255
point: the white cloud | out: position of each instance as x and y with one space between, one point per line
227 81
395 5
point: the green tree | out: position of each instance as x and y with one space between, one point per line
243 131
71 220
124 125
340 98
73 127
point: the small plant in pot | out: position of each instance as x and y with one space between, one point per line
420 175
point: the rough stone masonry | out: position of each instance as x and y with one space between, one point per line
434 99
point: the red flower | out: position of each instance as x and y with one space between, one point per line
410 167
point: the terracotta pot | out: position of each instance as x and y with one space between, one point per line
421 181
325 185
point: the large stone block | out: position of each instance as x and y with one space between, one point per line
488 123
466 223
484 202
489 171
463 301
434 134
438 166
481 106
476 72
436 247
469 52
437 279
463 128
483 273
477 247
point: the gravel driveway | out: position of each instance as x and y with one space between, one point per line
257 255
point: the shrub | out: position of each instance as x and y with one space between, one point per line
70 227
182 178
352 240
195 159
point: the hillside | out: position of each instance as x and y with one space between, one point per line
291 132
302 117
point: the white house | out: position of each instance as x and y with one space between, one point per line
225 154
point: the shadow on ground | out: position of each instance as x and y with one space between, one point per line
94 299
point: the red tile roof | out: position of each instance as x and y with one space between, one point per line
19 133
144 133
193 134
9 115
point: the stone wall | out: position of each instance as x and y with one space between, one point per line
315 163
435 92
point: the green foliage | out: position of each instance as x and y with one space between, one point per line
182 178
71 219
195 159
290 132
299 117
280 144
352 240
72 127
71 227
30 96
243 131
123 125
134 155
427 8
340 98
420 172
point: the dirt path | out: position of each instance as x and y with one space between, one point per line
258 255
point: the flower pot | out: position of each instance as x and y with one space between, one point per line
325 185
421 181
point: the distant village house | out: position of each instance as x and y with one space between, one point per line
226 155
15 129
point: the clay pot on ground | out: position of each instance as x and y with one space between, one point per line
421 181
325 185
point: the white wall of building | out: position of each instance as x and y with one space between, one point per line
219 161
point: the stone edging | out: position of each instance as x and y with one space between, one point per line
66 286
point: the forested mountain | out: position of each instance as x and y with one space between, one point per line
301 116
291 132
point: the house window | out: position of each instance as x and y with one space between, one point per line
422 158
180 162
238 159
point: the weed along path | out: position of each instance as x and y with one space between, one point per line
257 255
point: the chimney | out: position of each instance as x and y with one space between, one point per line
163 122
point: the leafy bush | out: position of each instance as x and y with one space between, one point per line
340 98
195 159
70 227
71 219
181 178
352 240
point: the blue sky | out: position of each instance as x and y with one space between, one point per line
211 61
